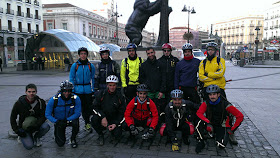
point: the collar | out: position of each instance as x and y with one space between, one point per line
188 58
216 102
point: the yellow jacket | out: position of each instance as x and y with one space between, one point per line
132 66
215 73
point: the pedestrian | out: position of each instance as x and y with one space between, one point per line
106 68
39 62
82 76
64 109
169 62
152 75
31 125
186 74
43 58
179 117
66 63
35 64
1 61
108 108
130 71
141 111
216 121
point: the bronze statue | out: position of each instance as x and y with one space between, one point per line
143 9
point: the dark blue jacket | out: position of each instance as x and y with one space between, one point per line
186 73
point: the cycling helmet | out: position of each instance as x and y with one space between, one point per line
212 89
131 45
112 78
177 93
142 88
212 44
187 46
166 46
104 49
66 85
82 49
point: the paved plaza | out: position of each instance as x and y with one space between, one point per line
254 91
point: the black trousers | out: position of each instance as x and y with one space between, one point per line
130 92
183 127
86 100
138 123
59 132
96 124
191 94
221 134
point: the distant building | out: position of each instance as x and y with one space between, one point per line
176 37
19 20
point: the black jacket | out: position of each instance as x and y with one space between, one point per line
169 64
111 106
22 107
152 74
172 118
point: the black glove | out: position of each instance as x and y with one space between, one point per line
21 132
206 74
149 134
133 130
151 131
61 123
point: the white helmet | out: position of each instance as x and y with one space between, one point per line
112 78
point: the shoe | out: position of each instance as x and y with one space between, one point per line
200 145
100 140
37 142
232 139
18 139
74 143
88 128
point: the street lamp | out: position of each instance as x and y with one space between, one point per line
189 10
116 14
257 42
4 54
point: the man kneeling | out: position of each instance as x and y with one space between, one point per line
64 109
178 116
217 118
141 111
108 109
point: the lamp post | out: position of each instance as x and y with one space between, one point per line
116 14
257 42
4 54
189 10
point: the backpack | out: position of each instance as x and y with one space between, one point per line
77 66
135 104
204 62
127 69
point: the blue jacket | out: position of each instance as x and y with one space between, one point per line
82 78
65 110
186 73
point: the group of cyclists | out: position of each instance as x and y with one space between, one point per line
159 95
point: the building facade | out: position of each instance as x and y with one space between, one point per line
240 32
19 20
176 37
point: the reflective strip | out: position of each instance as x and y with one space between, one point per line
221 69
203 79
75 96
220 144
121 122
161 113
196 127
97 113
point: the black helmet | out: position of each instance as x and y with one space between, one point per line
82 49
212 44
212 89
142 88
66 85
177 93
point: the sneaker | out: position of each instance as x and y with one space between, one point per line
200 145
232 139
74 143
37 142
100 140
18 139
88 128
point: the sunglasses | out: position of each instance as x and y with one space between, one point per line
210 49
166 50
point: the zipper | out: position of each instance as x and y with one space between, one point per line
106 71
83 78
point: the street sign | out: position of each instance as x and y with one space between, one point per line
274 41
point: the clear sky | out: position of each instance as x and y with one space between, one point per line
207 11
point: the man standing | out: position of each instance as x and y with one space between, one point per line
152 75
108 108
169 62
130 72
82 76
35 63
186 74
1 64
31 125
217 118
106 68
66 63
64 109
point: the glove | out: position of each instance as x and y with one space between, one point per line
206 74
133 130
61 123
209 127
21 132
175 147
149 134
230 132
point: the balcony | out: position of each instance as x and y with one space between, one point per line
237 26
229 27
29 15
11 29
228 35
221 29
271 27
233 27
28 1
224 36
265 28
10 11
36 3
241 34
252 25
276 26
242 25
251 34
225 28
19 0
237 34
20 14
38 17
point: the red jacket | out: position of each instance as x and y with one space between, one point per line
229 108
141 112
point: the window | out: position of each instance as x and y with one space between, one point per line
98 33
19 11
50 26
64 26
29 27
37 28
19 26
94 30
84 28
10 27
89 30
36 14
28 12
